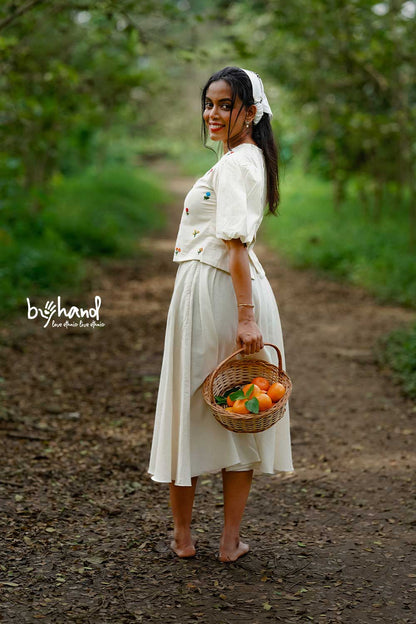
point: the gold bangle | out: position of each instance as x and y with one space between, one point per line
247 305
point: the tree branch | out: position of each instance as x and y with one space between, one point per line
20 11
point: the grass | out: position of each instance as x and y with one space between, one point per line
197 161
346 245
399 348
193 158
102 213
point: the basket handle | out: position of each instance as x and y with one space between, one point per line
221 364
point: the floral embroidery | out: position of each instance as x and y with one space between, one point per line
187 211
207 195
200 249
195 232
177 250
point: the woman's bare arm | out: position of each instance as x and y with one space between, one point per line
248 333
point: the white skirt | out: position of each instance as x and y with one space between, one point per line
201 331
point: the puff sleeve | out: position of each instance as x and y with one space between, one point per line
239 205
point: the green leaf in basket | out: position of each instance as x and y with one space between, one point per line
220 400
253 405
239 394
249 391
231 390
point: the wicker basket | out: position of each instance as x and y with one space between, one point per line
237 372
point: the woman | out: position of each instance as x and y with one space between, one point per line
221 297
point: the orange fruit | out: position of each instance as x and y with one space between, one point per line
276 391
265 402
239 407
254 393
230 403
262 383
228 409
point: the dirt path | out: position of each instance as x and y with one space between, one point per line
84 528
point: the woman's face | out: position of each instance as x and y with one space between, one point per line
218 115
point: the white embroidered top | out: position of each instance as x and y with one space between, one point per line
227 202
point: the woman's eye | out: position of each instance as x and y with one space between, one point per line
224 106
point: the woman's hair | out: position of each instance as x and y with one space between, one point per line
240 84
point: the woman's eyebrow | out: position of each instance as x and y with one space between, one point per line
222 100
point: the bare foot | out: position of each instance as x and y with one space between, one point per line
184 547
232 552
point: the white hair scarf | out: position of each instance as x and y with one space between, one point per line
259 96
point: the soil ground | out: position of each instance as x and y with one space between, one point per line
85 530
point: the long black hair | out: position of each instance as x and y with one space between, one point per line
240 84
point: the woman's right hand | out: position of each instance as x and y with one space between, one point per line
248 333
249 336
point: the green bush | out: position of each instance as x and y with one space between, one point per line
33 259
106 212
102 213
347 244
399 349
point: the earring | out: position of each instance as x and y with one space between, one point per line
247 125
